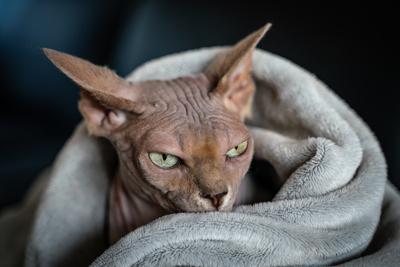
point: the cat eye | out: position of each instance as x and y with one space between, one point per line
162 160
237 150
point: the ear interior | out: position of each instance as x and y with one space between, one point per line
100 120
231 72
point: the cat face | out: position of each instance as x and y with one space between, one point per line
188 150
181 143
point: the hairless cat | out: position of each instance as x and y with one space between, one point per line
182 143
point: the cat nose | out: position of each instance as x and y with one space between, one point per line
216 199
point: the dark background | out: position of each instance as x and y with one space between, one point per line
352 48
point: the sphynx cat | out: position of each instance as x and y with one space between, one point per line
182 143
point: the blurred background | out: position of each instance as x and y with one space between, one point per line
352 48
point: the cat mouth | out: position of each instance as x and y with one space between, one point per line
176 204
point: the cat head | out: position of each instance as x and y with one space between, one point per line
181 143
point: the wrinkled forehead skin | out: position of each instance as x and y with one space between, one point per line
183 116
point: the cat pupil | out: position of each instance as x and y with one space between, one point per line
164 156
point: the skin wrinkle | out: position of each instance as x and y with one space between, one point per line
123 208
198 89
192 97
158 120
195 118
183 101
193 108
199 84
188 103
132 184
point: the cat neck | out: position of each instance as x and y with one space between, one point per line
128 211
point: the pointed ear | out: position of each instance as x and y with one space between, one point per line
230 71
105 97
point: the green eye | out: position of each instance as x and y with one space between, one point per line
237 150
164 161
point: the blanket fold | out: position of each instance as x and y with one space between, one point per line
335 205
326 211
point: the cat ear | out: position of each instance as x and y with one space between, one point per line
230 71
105 97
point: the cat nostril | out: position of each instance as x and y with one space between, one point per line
216 199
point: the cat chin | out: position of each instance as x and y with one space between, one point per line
194 208
206 208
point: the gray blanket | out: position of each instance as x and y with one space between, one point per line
334 207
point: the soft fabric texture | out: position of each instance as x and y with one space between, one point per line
334 207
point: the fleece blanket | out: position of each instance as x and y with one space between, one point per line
334 205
